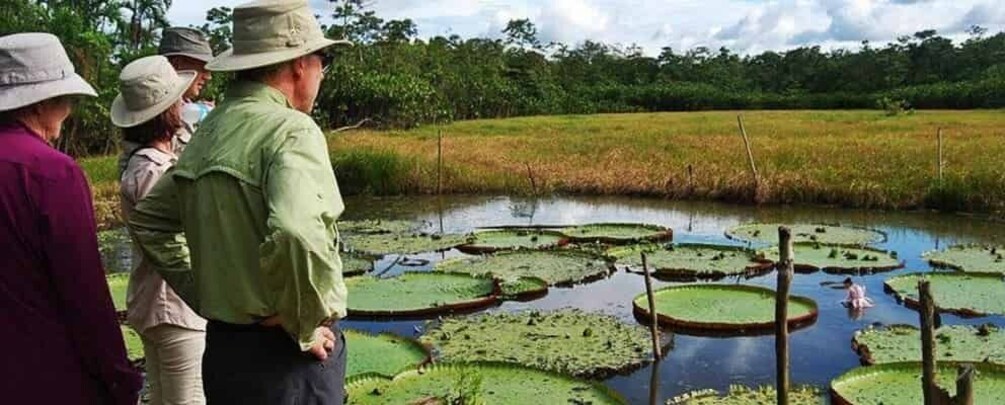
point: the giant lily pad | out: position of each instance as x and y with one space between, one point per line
512 239
618 234
118 284
900 383
377 226
394 243
722 309
742 395
478 383
837 259
970 258
418 294
693 261
134 345
826 234
354 265
554 267
383 354
900 343
523 289
966 294
569 341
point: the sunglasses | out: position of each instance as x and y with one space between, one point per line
326 61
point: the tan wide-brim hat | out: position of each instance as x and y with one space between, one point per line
184 41
148 87
34 67
269 32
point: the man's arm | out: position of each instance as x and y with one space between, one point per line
299 258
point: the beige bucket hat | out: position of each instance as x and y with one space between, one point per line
34 67
185 41
148 87
268 32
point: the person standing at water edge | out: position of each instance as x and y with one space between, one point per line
60 336
148 109
254 200
188 51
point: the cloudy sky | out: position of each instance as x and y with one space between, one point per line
746 26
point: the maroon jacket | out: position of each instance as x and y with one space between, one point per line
60 342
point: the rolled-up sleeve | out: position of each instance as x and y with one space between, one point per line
299 258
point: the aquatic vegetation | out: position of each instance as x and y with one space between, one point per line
618 233
378 226
966 294
900 383
134 345
901 343
807 233
118 283
726 309
418 293
353 264
692 261
477 383
512 239
555 267
568 341
394 243
743 395
977 258
383 354
836 259
523 289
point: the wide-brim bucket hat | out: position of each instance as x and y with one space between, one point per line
147 87
184 41
34 67
269 32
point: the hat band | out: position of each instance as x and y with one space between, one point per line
16 77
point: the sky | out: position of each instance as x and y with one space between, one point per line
744 26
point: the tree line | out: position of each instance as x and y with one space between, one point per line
395 79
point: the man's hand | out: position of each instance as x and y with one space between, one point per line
324 342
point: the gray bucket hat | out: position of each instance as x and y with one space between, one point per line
34 67
185 41
268 32
147 87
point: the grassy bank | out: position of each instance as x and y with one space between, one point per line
848 158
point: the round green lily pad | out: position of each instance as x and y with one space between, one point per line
743 395
478 383
383 354
825 234
555 267
405 244
977 258
618 234
419 293
354 265
837 259
966 294
523 289
569 341
512 239
722 309
376 226
118 284
900 343
134 345
900 383
685 262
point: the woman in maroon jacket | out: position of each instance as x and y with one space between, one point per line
60 340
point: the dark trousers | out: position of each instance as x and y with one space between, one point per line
251 364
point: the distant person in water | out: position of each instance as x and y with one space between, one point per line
856 295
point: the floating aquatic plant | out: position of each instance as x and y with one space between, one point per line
900 343
418 293
512 239
825 234
383 354
618 233
692 261
743 395
837 259
975 258
378 226
118 283
967 294
394 243
555 267
900 383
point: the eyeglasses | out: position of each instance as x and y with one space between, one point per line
326 61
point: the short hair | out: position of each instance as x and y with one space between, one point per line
847 280
263 73
163 126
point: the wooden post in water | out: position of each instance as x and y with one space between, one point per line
439 161
750 157
785 270
928 385
654 320
964 385
941 162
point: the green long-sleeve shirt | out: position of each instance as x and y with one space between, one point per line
243 227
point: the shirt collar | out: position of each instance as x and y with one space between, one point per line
258 91
156 155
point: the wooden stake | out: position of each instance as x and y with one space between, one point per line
653 326
654 384
750 156
785 270
964 385
941 162
690 180
439 161
928 364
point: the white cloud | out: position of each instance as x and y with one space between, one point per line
746 26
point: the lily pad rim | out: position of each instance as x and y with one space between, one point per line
661 233
865 354
760 266
349 249
471 305
473 248
950 265
865 371
729 232
914 304
529 295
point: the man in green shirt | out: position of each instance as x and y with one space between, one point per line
243 227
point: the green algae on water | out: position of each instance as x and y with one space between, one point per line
743 395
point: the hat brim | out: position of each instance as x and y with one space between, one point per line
123 117
202 57
229 62
13 97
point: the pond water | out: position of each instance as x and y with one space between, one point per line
818 353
